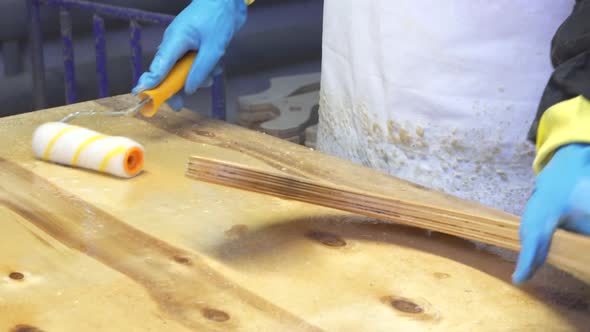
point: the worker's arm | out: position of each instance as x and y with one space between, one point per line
561 132
206 26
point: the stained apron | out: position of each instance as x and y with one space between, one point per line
440 93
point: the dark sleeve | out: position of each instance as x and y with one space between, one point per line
570 56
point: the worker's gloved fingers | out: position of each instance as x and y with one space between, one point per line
144 83
208 57
176 102
241 14
210 79
578 218
560 200
174 46
207 83
217 70
533 253
578 223
539 222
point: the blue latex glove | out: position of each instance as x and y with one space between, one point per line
205 25
560 200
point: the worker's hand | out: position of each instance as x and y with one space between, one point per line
560 199
206 26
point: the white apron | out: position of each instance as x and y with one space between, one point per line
440 93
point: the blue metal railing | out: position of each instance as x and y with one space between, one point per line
100 11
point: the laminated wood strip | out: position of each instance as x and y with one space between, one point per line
492 231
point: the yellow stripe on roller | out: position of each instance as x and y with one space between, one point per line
54 140
109 156
83 146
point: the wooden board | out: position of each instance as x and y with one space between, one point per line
81 251
503 233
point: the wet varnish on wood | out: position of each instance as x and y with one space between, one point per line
449 219
82 251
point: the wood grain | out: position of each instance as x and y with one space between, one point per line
81 251
180 282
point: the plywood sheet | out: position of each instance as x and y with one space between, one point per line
85 251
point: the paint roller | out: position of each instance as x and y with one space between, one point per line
75 146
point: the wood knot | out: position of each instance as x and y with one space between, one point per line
16 276
326 239
182 260
25 328
411 308
406 306
204 133
440 275
215 315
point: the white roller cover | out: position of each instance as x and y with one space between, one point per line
80 147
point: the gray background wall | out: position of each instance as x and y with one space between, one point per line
280 37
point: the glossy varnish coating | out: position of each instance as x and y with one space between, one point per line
86 251
503 233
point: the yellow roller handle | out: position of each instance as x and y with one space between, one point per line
173 83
